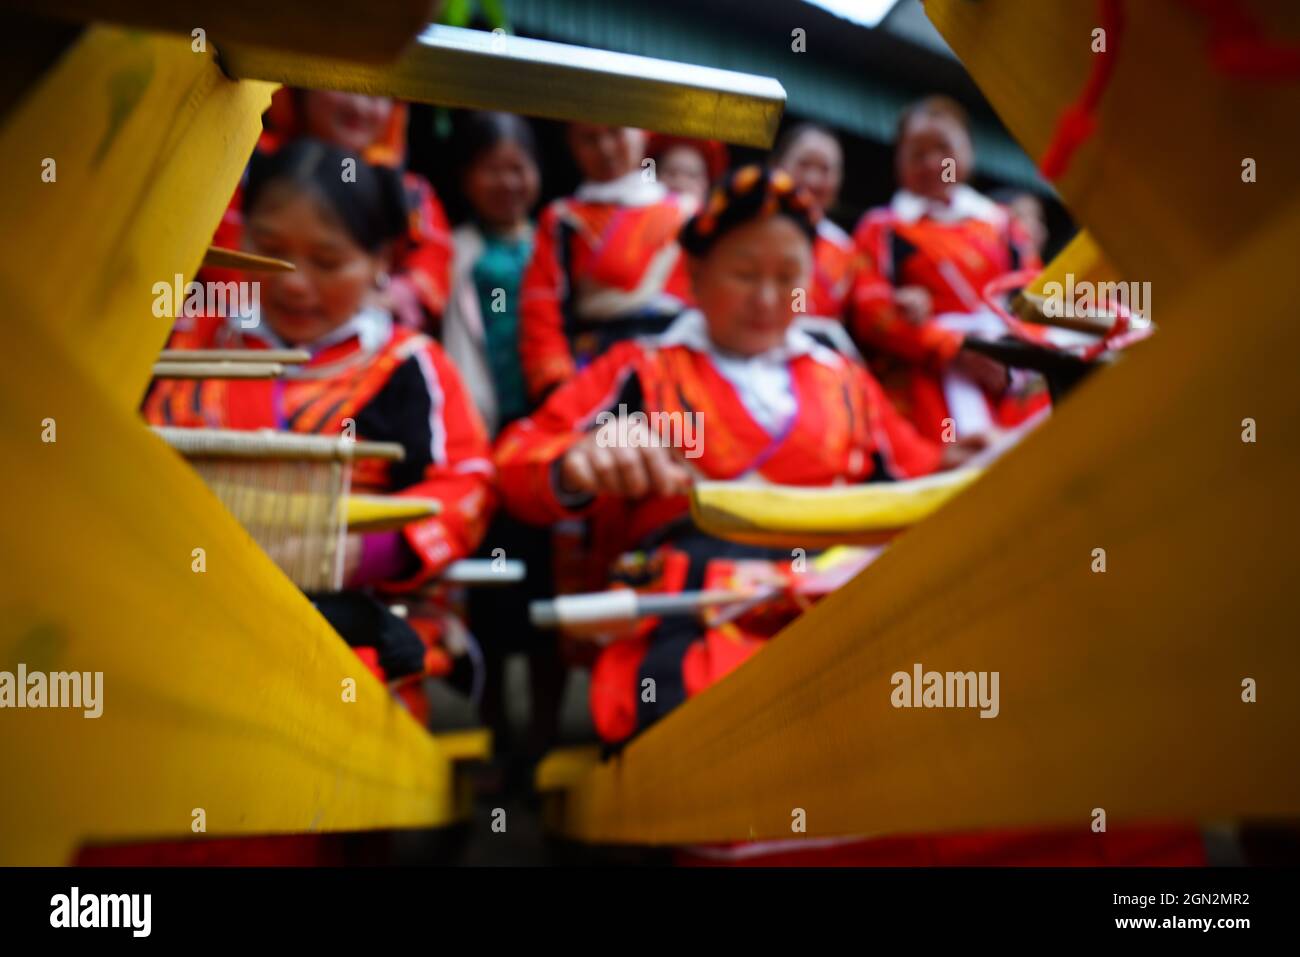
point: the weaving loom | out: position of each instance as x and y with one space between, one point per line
144 175
1201 591
289 491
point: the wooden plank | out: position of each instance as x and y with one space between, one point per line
1119 690
787 517
222 690
148 140
479 70
472 744
564 767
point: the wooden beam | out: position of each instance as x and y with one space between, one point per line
223 690
108 193
472 68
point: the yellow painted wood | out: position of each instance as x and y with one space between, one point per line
379 513
223 690
564 767
788 516
1159 184
1081 258
473 744
148 140
1119 690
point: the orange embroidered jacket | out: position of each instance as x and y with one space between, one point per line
395 384
840 427
605 267
953 254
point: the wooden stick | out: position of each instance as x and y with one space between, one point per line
218 257
282 356
623 605
382 513
217 370
268 444
484 571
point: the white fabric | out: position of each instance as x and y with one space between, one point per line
463 335
631 189
761 382
967 404
829 230
963 203
372 326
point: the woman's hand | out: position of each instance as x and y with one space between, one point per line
914 302
633 468
956 454
989 374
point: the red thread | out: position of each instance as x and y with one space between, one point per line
1079 121
1119 336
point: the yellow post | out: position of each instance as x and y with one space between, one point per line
226 704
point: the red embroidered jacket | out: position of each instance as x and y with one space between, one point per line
600 272
840 428
422 258
835 265
953 261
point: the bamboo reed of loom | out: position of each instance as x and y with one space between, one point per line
217 370
218 257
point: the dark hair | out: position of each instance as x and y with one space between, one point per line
749 193
372 209
932 106
481 132
794 134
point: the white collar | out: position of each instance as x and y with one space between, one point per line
630 189
832 232
963 203
372 327
691 330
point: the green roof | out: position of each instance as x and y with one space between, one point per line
819 88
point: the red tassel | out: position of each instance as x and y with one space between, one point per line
1078 121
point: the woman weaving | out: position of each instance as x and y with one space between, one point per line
367 378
